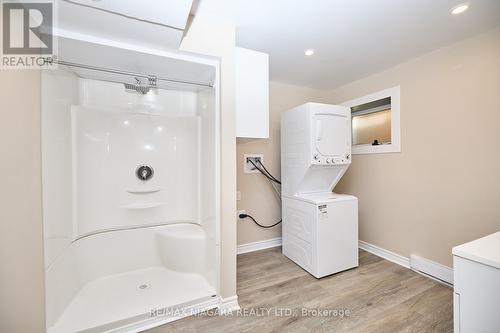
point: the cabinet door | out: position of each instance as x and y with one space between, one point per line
172 13
159 24
456 312
252 93
479 290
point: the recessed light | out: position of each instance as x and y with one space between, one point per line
309 52
459 9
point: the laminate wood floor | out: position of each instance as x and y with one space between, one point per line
379 295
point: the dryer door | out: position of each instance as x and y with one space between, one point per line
332 134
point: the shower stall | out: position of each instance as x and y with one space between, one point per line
130 153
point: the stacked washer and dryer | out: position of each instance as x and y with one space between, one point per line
320 227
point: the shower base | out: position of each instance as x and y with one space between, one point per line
110 301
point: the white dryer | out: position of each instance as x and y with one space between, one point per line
320 228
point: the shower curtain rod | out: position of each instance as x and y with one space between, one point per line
137 75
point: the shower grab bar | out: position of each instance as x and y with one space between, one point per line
120 72
133 227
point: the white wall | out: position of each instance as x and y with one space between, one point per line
208 181
216 37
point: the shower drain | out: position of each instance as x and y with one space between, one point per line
143 286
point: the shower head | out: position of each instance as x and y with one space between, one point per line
139 87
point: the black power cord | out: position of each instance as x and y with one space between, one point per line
265 173
243 216
269 176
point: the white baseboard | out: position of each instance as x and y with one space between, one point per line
418 264
431 268
260 245
229 304
386 254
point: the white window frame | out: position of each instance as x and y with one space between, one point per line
395 145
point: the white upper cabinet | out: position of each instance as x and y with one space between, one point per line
252 94
171 13
152 23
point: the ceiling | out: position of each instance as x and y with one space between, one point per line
352 38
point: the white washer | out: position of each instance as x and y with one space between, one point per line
319 234
320 228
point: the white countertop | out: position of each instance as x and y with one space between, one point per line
485 250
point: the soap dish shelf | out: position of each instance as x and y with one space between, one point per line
143 190
145 205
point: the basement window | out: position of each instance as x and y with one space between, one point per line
371 123
375 122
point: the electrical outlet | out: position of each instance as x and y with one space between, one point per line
240 212
248 167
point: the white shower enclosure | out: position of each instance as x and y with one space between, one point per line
130 151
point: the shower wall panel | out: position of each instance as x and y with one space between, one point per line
102 222
60 90
109 147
